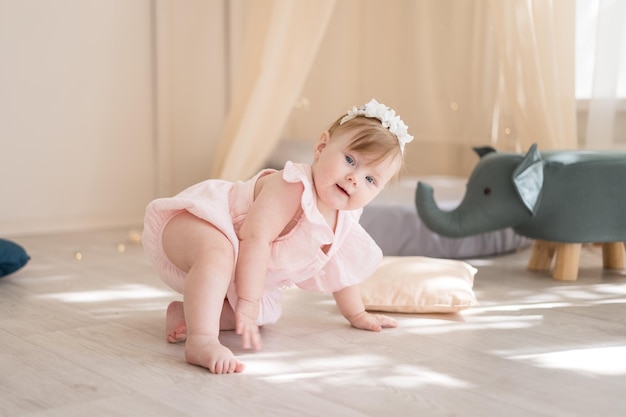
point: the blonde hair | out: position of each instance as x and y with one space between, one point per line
370 138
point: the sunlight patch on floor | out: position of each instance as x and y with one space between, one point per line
36 274
353 370
557 297
597 361
433 326
413 377
590 292
614 301
262 364
122 292
580 293
610 289
515 307
131 308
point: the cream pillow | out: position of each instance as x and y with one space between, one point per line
416 284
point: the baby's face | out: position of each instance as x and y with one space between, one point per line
345 179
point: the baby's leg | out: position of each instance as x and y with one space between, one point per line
176 328
206 255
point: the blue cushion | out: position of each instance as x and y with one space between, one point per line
12 257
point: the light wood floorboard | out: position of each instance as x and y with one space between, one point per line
86 338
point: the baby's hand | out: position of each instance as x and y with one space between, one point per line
246 314
373 322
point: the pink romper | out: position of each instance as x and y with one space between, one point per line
296 258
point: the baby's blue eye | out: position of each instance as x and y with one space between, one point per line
371 180
349 160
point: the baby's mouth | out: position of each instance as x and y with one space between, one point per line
343 190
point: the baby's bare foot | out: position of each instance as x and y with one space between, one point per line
175 327
208 352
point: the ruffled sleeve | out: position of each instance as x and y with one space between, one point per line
302 173
353 259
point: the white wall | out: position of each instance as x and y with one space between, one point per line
104 105
75 114
191 65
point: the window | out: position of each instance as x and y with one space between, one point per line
600 49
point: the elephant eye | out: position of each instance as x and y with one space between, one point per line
487 191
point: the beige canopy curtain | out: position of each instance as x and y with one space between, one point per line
535 49
462 73
279 46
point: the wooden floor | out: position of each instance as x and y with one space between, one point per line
82 334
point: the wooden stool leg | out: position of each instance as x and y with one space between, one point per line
566 264
613 255
541 256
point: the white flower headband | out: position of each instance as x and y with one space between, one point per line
387 117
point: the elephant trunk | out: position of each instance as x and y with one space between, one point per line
445 223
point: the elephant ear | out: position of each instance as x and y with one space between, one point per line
483 150
528 178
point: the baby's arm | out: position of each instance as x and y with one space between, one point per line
351 307
274 207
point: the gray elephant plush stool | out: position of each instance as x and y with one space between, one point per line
561 199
